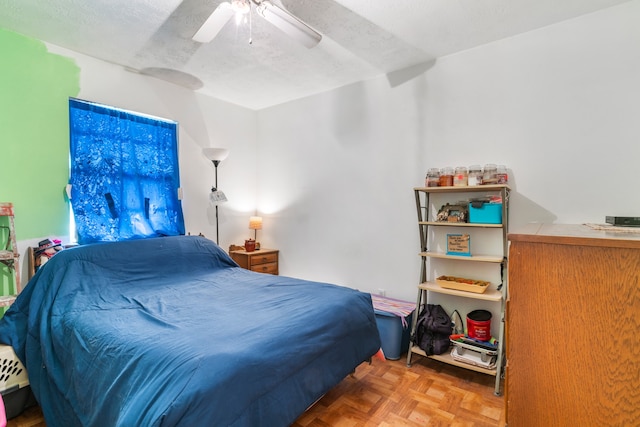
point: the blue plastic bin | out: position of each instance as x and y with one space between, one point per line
489 213
394 337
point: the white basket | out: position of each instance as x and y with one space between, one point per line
13 374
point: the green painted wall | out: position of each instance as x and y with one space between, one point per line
35 87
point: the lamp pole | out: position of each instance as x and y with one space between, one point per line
216 155
215 166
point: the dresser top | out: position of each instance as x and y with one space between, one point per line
578 234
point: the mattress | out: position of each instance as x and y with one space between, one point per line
169 331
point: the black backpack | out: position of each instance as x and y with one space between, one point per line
433 329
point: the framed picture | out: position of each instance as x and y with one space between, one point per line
453 213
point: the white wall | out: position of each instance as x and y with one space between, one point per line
559 106
338 170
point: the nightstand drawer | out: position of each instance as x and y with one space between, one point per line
261 260
270 268
264 258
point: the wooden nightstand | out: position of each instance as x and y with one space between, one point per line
261 260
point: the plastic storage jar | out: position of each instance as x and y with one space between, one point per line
433 177
475 175
460 177
490 174
446 177
502 174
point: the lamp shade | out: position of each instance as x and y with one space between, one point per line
215 154
255 223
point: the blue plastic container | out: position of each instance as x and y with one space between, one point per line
394 337
489 213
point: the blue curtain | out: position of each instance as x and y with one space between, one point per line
124 174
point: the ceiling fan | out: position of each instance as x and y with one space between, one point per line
270 10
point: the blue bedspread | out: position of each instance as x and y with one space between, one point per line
169 331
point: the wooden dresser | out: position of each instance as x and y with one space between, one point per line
261 260
573 325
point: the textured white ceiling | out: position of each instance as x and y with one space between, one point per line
361 39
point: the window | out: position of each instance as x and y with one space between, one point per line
124 174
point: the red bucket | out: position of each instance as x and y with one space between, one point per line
479 325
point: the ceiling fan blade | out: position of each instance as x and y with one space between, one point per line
214 23
289 24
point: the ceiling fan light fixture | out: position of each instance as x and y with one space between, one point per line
241 6
214 23
289 24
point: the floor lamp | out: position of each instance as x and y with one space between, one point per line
216 155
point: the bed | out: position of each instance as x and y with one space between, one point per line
169 331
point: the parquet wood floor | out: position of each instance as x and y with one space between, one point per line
388 394
31 417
